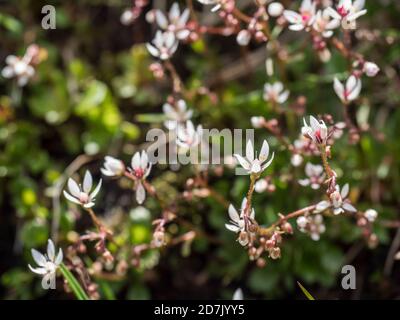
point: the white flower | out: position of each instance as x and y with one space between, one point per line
315 176
238 294
303 19
337 201
252 164
312 225
347 11
301 222
350 91
48 263
243 38
371 215
296 160
127 17
257 122
370 69
188 136
260 186
175 22
236 223
140 169
324 23
112 167
164 45
317 131
176 115
81 194
275 9
275 93
18 68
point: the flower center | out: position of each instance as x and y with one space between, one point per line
138 172
342 11
83 197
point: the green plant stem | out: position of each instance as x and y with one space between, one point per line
76 288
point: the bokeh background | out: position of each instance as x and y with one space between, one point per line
94 96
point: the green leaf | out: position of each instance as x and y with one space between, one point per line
306 293
76 288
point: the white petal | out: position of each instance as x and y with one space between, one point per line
39 258
243 162
323 205
7 72
174 12
135 162
140 193
161 20
339 89
233 214
249 151
348 207
231 227
71 198
345 191
59 257
96 190
238 294
50 250
73 188
264 153
153 50
144 160
38 270
296 27
292 16
266 165
87 182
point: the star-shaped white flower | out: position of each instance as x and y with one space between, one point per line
347 10
275 92
18 68
164 45
348 92
236 223
315 176
255 165
337 201
47 263
302 19
112 167
324 23
188 136
140 169
177 115
175 22
316 131
81 194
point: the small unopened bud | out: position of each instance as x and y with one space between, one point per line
373 241
243 37
257 122
275 9
371 215
287 227
370 69
261 262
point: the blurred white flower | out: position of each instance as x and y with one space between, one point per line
315 176
80 194
347 10
257 122
260 186
188 136
127 17
176 115
324 23
337 201
18 68
164 45
370 69
296 160
275 9
140 169
238 294
243 38
312 225
317 131
350 91
47 263
302 19
175 22
252 164
371 215
236 223
113 167
275 93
